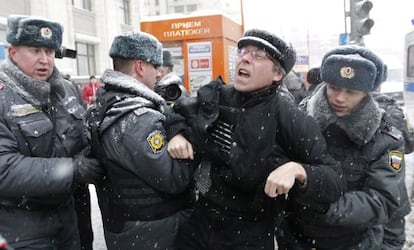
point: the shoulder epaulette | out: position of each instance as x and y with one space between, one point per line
393 132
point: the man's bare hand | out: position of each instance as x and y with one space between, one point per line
282 179
180 148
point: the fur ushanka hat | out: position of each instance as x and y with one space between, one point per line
137 45
34 32
353 67
281 51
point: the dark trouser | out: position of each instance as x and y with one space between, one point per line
47 244
394 234
288 239
83 211
147 235
66 238
209 228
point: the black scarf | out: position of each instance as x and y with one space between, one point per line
34 91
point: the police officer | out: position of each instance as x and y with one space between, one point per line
258 147
41 138
370 214
146 195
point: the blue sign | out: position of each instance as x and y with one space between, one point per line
409 86
302 60
199 48
343 39
2 51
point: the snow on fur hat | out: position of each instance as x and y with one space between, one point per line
281 51
137 45
34 32
353 67
167 58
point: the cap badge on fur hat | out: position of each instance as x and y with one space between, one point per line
353 67
46 32
34 32
347 72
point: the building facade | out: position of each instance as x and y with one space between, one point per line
91 25
89 28
230 8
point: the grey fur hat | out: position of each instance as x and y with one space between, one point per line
34 32
353 67
280 50
137 45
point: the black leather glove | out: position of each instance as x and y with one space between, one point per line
87 170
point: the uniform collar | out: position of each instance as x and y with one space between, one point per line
360 126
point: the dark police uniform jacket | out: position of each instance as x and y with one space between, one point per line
143 182
370 150
38 134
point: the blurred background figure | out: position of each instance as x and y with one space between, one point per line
169 84
167 65
90 90
295 86
313 78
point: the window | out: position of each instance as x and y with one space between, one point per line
191 7
85 59
123 8
410 61
179 9
82 4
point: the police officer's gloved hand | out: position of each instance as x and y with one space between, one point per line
87 170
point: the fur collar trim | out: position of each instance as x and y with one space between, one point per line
360 125
32 90
131 85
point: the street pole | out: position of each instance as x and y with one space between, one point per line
242 15
346 14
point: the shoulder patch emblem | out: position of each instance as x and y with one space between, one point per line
395 158
156 141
